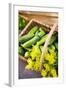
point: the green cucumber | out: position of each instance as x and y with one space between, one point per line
33 30
25 38
41 30
28 36
30 42
43 39
20 50
27 54
53 38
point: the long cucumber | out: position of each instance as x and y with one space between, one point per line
42 40
24 38
52 40
33 30
28 36
30 42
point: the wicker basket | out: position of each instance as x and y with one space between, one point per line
28 27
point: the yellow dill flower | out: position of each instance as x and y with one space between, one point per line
47 67
47 56
53 72
43 73
30 64
35 52
37 64
50 57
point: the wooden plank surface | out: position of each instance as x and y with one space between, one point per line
46 17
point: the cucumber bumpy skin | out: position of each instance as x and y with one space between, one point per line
42 40
25 38
33 30
20 50
28 36
33 40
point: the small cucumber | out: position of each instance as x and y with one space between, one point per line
20 50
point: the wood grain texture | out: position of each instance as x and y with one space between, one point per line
44 17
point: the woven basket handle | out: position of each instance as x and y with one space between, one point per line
46 44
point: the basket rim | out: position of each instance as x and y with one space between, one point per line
36 21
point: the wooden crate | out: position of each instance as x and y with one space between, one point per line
45 20
28 27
